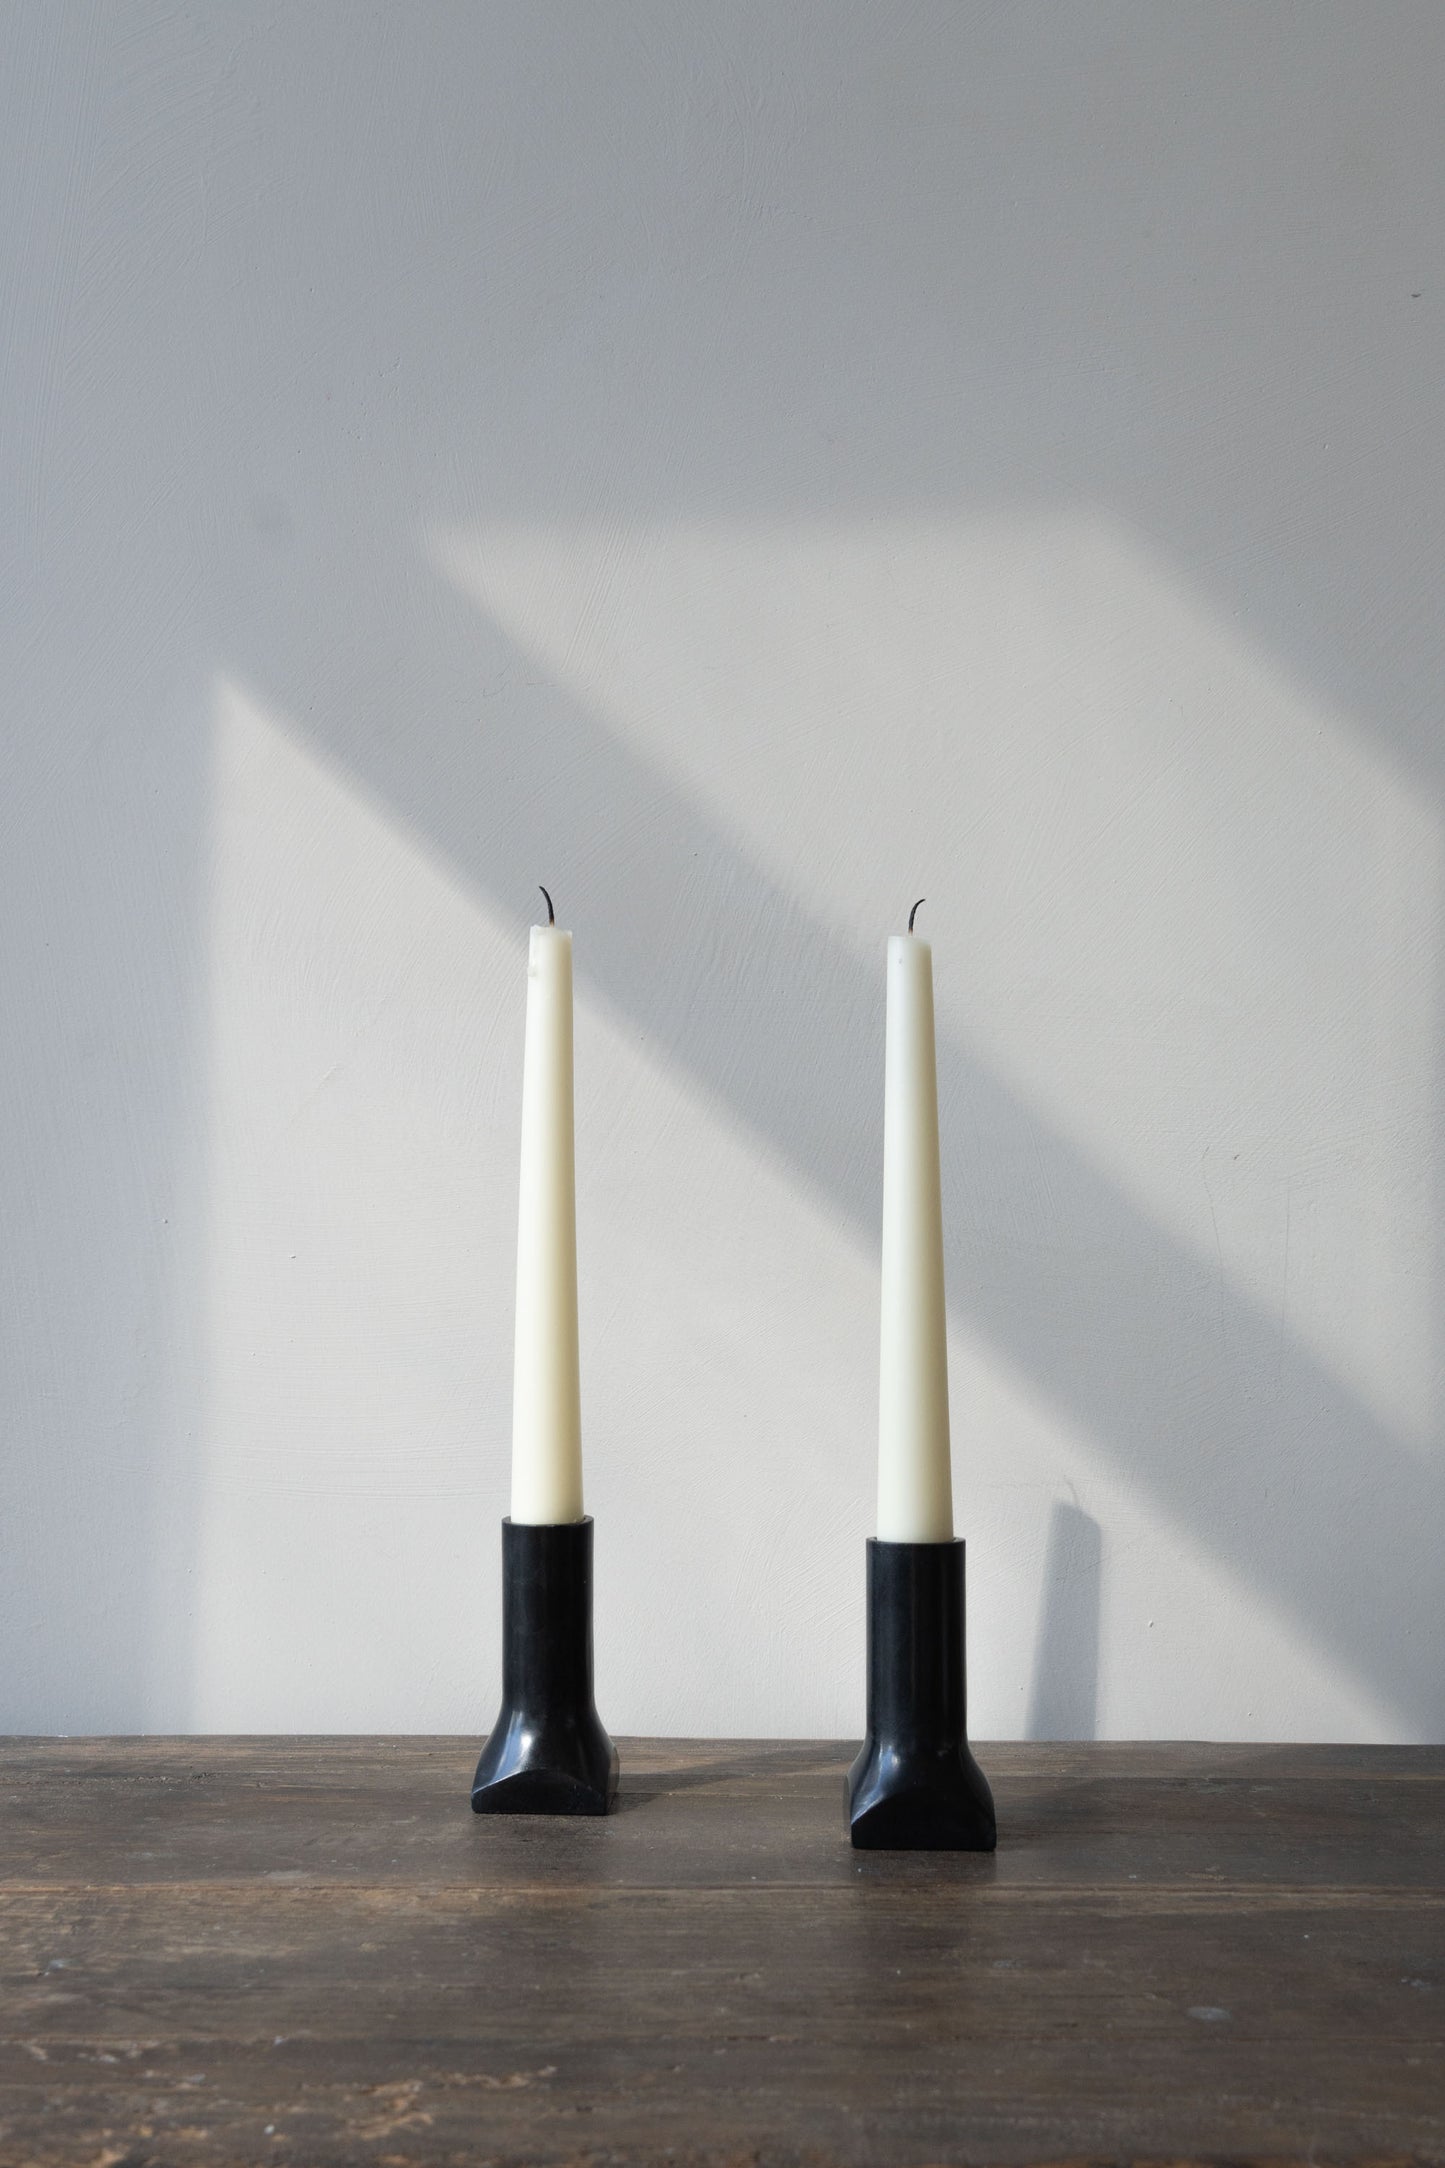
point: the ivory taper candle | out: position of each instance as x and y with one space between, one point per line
915 1478
546 1393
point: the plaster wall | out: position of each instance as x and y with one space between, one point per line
746 467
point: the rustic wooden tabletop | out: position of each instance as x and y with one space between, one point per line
310 1951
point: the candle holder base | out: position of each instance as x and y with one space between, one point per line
548 1752
915 1786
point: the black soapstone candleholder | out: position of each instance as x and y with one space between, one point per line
915 1786
548 1753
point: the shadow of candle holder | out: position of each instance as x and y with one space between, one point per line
1064 1699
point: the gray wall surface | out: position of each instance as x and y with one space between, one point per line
746 468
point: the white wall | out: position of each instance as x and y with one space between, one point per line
747 468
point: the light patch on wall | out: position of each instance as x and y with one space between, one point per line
353 1219
1182 908
365 1025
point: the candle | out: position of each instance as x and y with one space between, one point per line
915 1481
546 1395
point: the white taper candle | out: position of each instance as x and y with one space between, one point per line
915 1479
546 1391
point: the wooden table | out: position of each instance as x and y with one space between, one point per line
310 1951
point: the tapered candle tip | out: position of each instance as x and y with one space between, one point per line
914 912
552 916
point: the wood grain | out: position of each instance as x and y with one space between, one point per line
309 1951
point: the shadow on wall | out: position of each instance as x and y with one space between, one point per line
1064 1701
921 264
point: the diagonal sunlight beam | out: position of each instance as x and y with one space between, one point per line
1170 916
689 939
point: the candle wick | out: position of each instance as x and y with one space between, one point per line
914 912
552 916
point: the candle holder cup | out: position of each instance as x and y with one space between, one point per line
915 1785
548 1752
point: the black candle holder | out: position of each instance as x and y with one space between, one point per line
915 1785
548 1753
